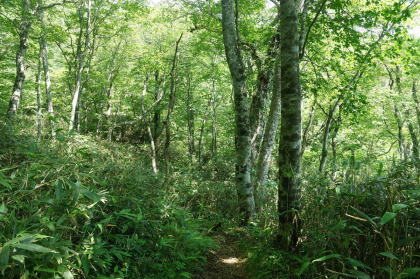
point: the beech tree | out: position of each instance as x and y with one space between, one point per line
242 132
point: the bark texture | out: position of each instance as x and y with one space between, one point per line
270 129
47 79
291 125
242 133
24 27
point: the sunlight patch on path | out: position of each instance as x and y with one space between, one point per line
233 261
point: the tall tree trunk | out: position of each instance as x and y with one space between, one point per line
38 94
242 137
44 46
291 125
81 61
270 129
172 97
24 27
190 119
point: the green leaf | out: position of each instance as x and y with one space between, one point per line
33 248
409 272
185 274
398 206
85 264
303 268
335 256
24 238
4 258
90 195
388 216
58 190
52 118
388 255
3 208
356 263
5 183
359 274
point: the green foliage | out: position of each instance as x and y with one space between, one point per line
355 230
75 208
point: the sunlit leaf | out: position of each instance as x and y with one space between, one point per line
388 255
332 256
388 216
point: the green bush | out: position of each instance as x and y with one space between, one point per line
77 208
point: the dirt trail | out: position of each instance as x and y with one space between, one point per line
226 261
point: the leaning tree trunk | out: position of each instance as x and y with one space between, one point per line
24 27
324 153
291 125
243 137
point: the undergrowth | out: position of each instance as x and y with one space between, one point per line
77 208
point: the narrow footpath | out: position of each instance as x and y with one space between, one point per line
226 261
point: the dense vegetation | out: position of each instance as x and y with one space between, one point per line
132 133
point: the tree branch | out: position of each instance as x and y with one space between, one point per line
302 50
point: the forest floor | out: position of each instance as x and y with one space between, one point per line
226 261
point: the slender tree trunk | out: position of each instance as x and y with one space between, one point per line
44 46
149 130
270 129
81 59
259 100
38 94
257 113
172 97
291 125
242 137
24 27
214 126
200 139
416 102
330 118
190 119
334 143
308 127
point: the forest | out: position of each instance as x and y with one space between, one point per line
209 139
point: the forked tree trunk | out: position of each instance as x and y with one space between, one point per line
242 136
291 126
